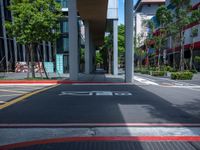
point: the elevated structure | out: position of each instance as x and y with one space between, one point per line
92 15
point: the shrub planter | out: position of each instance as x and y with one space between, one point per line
145 72
158 73
182 75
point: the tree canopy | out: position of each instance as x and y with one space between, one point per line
34 20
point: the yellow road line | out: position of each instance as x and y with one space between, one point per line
24 97
11 91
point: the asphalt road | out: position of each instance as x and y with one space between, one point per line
9 92
117 104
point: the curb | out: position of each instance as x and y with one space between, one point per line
93 139
9 82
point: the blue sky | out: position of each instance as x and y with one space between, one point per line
121 11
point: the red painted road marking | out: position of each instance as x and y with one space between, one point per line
100 125
82 139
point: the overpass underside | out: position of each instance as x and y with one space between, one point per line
94 15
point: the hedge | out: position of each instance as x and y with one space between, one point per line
145 72
158 73
182 75
137 70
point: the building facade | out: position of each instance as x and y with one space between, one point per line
144 11
171 52
190 41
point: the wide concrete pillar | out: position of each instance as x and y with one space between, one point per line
88 56
115 47
129 41
50 51
4 34
73 40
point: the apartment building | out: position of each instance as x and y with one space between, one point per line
190 41
144 11
171 51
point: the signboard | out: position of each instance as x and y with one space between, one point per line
49 67
59 64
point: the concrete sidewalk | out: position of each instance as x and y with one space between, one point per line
96 77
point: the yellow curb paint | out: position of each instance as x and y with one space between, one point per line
24 97
11 91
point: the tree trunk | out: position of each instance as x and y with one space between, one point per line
32 61
191 53
28 65
182 51
110 62
43 64
159 59
174 55
138 63
39 60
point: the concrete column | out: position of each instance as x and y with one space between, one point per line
44 51
50 51
73 40
24 52
88 59
92 52
115 47
4 34
129 41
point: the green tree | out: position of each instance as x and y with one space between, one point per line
34 21
99 59
139 52
147 42
182 19
195 17
164 17
121 43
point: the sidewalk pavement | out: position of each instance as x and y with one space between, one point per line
99 77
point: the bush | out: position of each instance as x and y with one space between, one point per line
169 69
145 72
194 71
182 75
137 70
158 73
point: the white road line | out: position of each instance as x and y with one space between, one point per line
11 91
9 95
145 81
2 102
